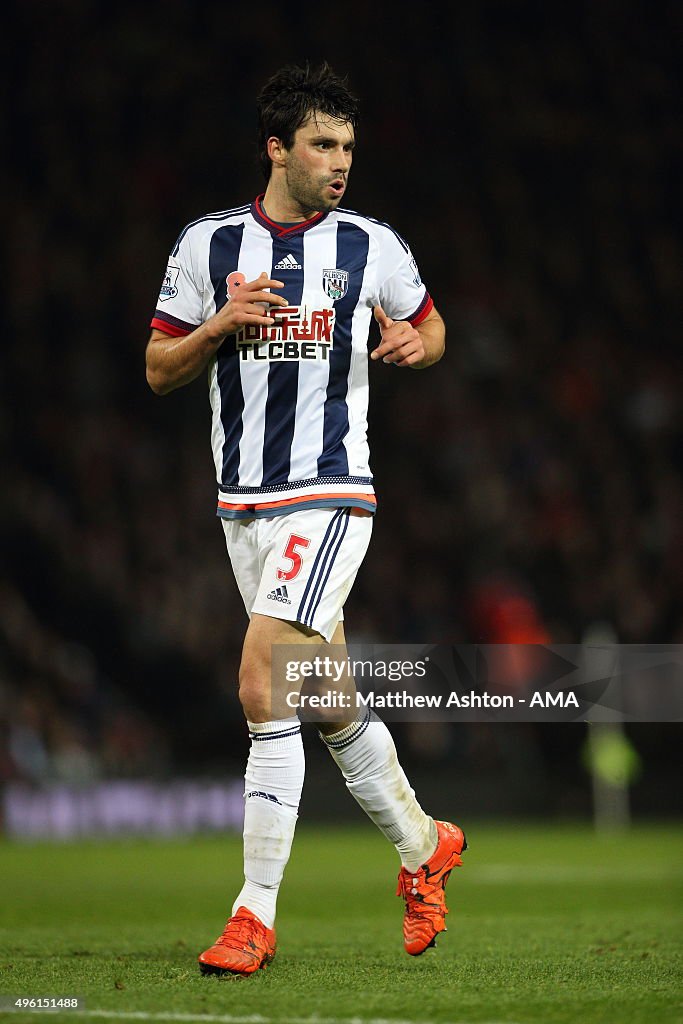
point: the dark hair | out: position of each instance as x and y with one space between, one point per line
293 92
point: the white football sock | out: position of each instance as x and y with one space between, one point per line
366 754
274 779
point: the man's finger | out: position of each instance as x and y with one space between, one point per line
257 318
263 281
401 335
397 349
264 308
269 297
385 346
382 319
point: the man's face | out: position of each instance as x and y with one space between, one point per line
318 164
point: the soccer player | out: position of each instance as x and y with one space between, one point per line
275 298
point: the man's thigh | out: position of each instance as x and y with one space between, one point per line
299 567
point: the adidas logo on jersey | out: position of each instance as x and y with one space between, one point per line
288 263
279 594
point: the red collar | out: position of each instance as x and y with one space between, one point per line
277 230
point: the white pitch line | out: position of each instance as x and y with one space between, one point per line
208 1018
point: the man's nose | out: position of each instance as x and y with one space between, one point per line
342 160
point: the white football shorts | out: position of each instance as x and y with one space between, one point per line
300 566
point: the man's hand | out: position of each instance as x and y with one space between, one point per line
401 343
173 362
246 305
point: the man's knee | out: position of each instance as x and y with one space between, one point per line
255 687
262 698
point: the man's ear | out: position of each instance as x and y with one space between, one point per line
276 151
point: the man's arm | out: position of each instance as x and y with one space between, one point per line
432 331
173 362
405 345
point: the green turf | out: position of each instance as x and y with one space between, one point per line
546 925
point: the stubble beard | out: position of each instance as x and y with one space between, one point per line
308 193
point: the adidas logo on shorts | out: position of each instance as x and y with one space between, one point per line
279 594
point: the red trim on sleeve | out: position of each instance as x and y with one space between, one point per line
423 311
170 329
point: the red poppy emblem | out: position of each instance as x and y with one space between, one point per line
233 281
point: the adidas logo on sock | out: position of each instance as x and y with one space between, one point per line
279 594
288 263
265 796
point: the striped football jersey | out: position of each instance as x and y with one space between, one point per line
289 401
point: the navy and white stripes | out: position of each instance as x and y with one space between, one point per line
220 215
289 400
280 734
344 738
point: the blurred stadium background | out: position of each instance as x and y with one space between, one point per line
530 487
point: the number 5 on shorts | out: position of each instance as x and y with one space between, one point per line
294 557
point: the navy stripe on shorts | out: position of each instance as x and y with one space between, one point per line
320 563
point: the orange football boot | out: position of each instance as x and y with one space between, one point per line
244 945
424 890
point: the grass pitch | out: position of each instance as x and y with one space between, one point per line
546 925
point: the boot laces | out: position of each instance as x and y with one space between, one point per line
416 890
239 932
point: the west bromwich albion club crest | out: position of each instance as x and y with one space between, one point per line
335 283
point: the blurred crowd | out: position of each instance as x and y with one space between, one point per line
530 486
